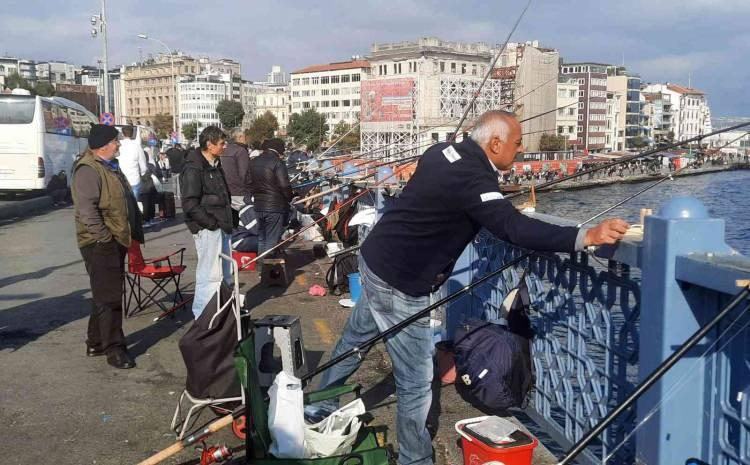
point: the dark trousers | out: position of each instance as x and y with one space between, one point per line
105 266
271 225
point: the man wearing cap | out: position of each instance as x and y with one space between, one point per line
271 192
107 218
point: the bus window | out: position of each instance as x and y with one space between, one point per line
17 110
80 122
56 119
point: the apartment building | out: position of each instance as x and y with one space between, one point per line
592 103
566 117
333 89
691 115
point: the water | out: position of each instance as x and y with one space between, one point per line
725 194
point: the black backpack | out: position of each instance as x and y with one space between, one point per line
493 360
337 277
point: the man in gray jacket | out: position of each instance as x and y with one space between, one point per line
235 161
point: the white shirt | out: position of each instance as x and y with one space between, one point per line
132 160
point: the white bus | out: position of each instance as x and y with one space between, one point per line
39 138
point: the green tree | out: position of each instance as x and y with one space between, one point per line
638 142
350 141
551 143
162 123
15 81
230 113
263 127
190 131
44 89
308 128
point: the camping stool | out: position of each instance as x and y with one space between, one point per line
273 272
285 331
196 405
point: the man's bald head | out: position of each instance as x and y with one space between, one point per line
498 132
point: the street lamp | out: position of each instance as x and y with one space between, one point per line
101 21
174 78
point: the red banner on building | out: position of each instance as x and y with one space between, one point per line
385 100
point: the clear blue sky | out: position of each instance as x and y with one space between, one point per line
660 39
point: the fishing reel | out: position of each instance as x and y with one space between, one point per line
214 454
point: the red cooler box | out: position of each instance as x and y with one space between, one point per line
243 258
494 439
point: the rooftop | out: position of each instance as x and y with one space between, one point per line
683 89
351 64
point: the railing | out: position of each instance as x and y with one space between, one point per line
594 341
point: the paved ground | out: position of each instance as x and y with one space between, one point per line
56 403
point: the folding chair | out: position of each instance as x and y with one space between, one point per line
160 271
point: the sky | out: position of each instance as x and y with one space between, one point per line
705 42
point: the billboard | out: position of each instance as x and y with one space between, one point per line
385 100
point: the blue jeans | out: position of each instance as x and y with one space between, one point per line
271 225
379 307
211 268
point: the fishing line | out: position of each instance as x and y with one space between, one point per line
680 383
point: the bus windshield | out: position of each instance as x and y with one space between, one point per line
17 110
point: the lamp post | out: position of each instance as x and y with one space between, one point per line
101 21
174 78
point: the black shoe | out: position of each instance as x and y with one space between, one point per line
120 358
93 352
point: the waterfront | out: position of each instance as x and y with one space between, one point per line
724 194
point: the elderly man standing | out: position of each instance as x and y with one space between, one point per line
411 251
236 162
271 192
107 219
208 214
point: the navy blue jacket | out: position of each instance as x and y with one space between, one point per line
452 194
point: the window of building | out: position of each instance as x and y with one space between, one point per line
355 77
324 103
345 103
324 79
581 93
463 68
325 92
453 67
580 117
344 78
305 105
334 79
396 68
305 81
335 91
315 80
334 103
442 66
560 129
561 111
355 102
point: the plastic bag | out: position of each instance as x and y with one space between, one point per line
336 434
286 420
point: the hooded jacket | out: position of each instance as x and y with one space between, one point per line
270 182
205 196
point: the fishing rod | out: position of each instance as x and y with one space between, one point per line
488 73
655 376
626 159
534 90
547 112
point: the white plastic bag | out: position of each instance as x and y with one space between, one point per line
286 420
336 434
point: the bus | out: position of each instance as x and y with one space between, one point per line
39 138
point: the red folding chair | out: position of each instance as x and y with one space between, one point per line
160 271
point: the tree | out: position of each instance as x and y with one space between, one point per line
15 81
230 113
44 89
263 127
551 143
638 142
190 131
308 128
162 123
350 141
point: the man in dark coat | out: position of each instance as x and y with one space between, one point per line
236 162
272 193
411 251
208 214
107 220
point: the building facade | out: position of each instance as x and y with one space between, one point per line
536 71
8 67
657 112
277 76
691 115
198 97
150 89
566 117
628 87
56 72
592 103
417 92
276 100
332 89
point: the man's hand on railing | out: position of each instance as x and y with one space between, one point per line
606 232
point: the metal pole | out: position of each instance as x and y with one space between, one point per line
654 377
106 63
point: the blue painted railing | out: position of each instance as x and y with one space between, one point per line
606 320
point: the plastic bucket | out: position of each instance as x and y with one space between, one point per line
355 286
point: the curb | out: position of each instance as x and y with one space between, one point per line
24 208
